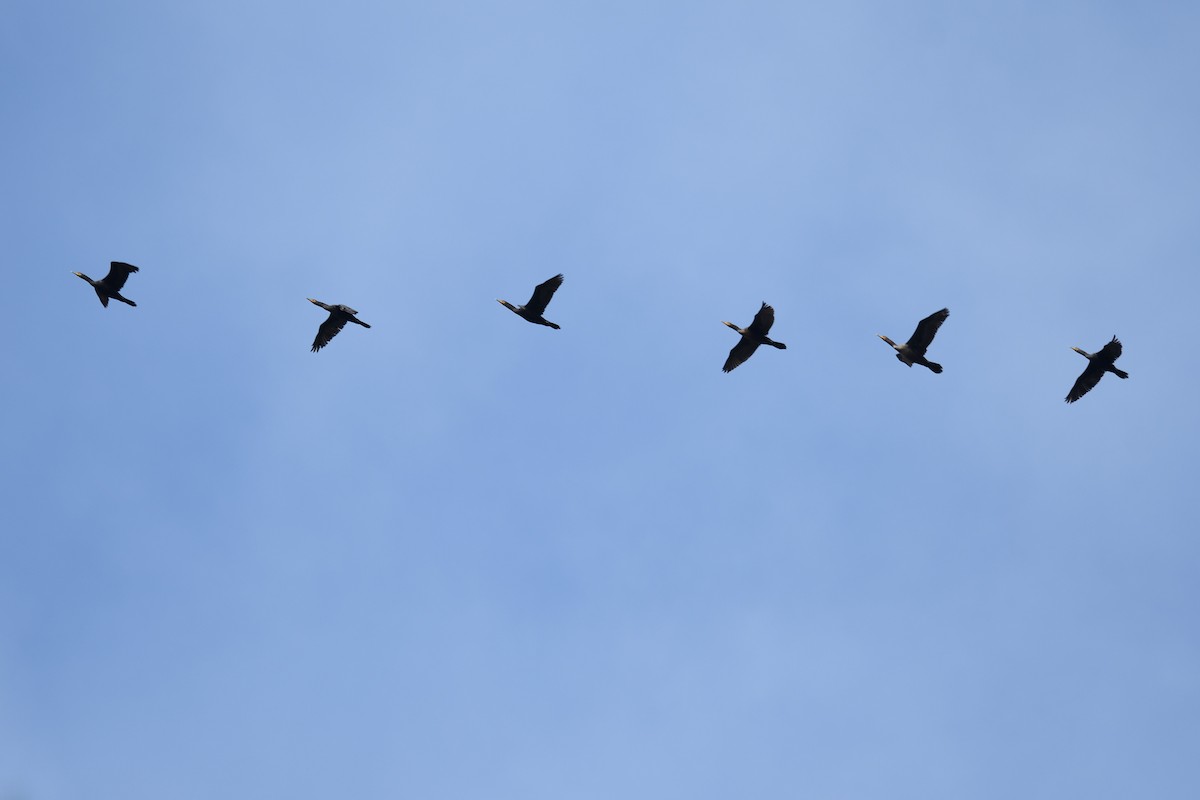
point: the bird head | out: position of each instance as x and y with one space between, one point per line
505 303
80 275
1081 352
886 339
730 324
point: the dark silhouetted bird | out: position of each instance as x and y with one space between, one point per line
913 351
533 310
752 337
339 315
1098 364
110 285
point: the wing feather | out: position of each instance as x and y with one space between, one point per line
118 273
1086 382
740 352
329 329
1111 351
926 329
763 321
542 294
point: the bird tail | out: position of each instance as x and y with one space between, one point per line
933 365
1120 373
553 325
779 345
125 300
360 322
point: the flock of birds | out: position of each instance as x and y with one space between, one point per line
911 352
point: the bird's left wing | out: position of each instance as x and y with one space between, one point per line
118 273
926 329
763 320
1111 351
542 294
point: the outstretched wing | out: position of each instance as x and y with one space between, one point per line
542 294
763 321
1086 382
926 329
118 273
1111 351
329 329
740 352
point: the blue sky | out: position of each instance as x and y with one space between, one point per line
457 555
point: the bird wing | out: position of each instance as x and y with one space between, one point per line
346 309
1111 351
763 321
926 329
1086 382
740 352
118 273
329 329
542 294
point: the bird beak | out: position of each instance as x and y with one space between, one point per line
309 299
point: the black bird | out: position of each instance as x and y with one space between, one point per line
533 310
913 351
1099 363
339 315
752 337
110 285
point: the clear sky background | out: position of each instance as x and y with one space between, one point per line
462 556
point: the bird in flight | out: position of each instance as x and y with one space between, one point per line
1098 364
913 351
752 337
110 285
536 307
339 315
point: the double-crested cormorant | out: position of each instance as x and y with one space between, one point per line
533 310
1099 363
110 285
752 337
913 351
339 315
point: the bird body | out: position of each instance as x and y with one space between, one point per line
1098 364
913 351
536 307
339 315
110 285
752 336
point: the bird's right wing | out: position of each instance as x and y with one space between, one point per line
542 294
1086 382
740 352
329 329
926 329
118 273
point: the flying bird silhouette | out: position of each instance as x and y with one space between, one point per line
752 337
1098 364
339 315
110 285
913 351
536 307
